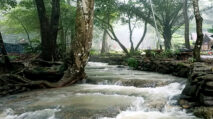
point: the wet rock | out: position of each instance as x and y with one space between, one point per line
157 105
206 100
145 83
199 88
209 85
186 104
208 91
204 112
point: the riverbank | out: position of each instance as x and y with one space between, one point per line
198 93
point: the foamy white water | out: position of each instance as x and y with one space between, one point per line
111 92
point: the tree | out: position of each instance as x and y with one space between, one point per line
75 62
23 19
6 60
199 23
124 11
4 4
168 15
186 20
127 9
48 28
105 48
82 44
67 25
105 12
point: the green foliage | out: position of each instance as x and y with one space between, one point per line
162 54
13 57
36 43
151 53
94 52
191 60
167 54
106 12
137 53
5 4
132 62
22 17
67 17
210 30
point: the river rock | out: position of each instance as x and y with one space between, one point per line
204 112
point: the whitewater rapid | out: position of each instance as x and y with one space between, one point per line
110 92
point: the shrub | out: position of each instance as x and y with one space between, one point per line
132 62
191 60
93 52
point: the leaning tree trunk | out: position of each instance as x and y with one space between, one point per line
142 38
199 22
6 61
82 44
48 28
186 20
105 48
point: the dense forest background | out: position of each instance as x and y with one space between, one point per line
20 24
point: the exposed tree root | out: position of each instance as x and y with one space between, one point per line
39 75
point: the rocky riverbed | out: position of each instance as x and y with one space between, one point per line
110 92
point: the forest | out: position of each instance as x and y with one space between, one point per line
106 59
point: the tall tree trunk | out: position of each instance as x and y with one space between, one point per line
62 37
82 44
186 20
167 35
5 57
142 38
199 23
49 30
105 47
54 26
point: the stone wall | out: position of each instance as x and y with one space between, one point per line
175 68
198 93
199 89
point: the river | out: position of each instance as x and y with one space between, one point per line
110 92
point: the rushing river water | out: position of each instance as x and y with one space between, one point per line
110 92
